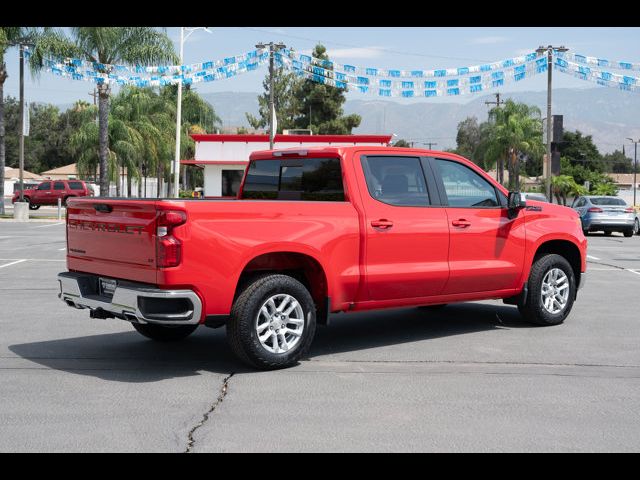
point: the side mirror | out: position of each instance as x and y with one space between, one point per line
517 201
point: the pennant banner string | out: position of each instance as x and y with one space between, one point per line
599 62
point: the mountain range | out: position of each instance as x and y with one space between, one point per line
609 115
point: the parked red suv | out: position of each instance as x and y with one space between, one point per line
49 191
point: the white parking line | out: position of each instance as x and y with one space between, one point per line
34 259
13 263
61 249
50 225
632 271
592 257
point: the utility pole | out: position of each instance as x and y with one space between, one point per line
430 144
497 102
635 166
95 97
273 47
21 150
546 167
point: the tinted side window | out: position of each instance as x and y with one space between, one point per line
464 187
396 180
314 179
45 186
58 186
76 186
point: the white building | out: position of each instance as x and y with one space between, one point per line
12 179
225 157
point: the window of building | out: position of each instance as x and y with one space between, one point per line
231 180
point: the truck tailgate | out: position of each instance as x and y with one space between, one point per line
110 237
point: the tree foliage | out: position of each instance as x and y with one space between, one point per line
302 103
105 46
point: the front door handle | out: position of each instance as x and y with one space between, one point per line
382 224
461 222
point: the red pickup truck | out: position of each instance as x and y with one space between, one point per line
319 231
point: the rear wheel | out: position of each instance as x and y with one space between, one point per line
272 323
628 233
164 333
607 232
552 290
636 227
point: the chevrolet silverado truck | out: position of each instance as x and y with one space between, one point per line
318 231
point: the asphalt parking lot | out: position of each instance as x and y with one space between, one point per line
471 377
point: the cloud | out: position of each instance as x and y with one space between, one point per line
489 40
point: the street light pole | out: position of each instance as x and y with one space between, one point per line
546 167
635 166
273 47
176 161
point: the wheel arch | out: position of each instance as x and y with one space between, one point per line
565 248
303 267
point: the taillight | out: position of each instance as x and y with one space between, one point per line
169 248
595 210
628 210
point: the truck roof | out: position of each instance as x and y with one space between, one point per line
302 151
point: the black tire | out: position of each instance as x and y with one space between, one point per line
636 227
586 232
628 233
607 232
533 310
31 205
164 333
64 202
433 307
242 332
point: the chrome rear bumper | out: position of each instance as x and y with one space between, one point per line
131 301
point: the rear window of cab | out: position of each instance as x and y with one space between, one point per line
310 179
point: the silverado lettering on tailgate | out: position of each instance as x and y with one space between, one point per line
105 227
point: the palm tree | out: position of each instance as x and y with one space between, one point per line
106 46
517 129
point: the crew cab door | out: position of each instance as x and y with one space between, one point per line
59 192
42 194
406 238
486 247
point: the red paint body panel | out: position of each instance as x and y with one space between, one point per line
422 258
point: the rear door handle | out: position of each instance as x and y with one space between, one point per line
382 224
461 222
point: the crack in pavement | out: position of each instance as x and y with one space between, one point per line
205 417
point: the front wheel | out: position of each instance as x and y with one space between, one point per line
31 205
272 323
164 333
552 290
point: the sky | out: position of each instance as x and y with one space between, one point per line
407 48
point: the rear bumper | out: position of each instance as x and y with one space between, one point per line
609 224
135 302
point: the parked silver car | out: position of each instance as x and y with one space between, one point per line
607 214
